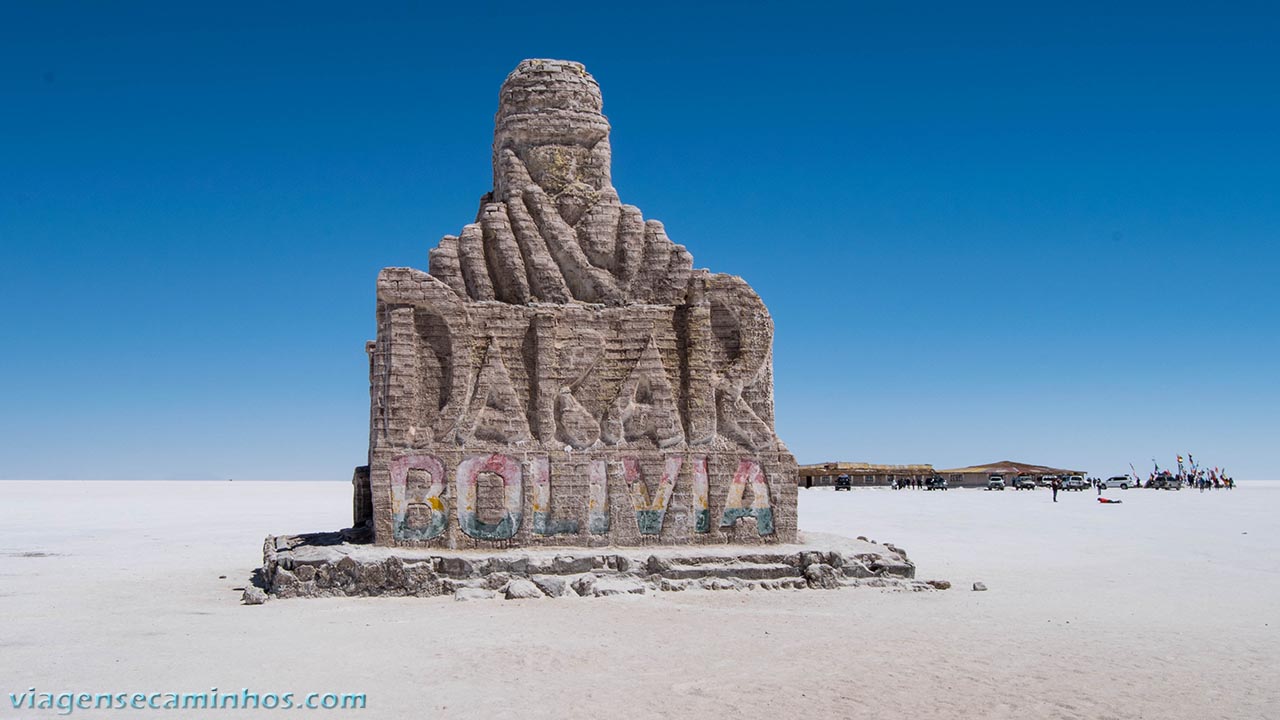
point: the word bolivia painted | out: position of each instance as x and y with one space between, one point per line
563 375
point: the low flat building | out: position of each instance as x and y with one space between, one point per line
977 475
868 474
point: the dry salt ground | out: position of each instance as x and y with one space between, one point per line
1166 606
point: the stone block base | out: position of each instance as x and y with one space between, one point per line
337 565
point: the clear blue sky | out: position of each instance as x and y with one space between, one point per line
984 231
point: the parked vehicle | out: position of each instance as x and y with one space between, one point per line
1024 482
1047 480
1119 481
935 483
1075 482
844 482
995 482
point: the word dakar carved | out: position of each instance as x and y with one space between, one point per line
563 375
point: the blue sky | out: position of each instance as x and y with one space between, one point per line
984 231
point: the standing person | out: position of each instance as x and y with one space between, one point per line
1054 486
1098 483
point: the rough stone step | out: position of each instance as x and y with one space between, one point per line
696 560
745 571
887 566
318 566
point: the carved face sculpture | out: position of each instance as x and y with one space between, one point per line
567 174
553 229
551 118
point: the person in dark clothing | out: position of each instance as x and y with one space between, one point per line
1054 486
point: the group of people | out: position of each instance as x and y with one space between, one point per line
1195 479
1202 480
1205 483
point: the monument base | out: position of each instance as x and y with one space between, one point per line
337 564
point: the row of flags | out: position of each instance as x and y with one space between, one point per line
1214 474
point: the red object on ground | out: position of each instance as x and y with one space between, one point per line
1109 501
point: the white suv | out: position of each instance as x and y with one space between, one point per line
1119 481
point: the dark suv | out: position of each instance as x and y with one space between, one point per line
844 482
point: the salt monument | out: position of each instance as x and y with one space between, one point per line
564 377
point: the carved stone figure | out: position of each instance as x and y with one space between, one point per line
563 375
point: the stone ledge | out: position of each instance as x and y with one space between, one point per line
338 565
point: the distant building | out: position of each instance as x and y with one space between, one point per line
824 474
977 475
